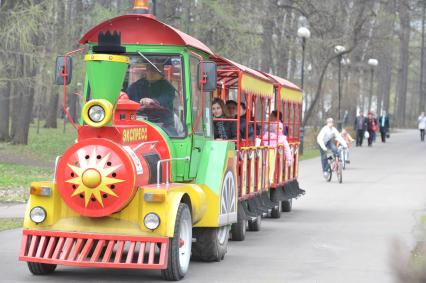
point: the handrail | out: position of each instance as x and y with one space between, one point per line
186 158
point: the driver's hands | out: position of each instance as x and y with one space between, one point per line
147 101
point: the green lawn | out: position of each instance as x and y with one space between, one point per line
44 146
310 153
15 180
10 223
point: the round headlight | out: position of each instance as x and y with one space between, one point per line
151 221
38 214
96 113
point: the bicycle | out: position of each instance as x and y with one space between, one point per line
335 165
343 156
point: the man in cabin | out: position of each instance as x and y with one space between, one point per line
153 90
155 95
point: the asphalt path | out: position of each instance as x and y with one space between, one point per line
335 233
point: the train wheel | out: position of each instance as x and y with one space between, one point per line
211 243
238 230
180 246
255 225
38 268
276 210
287 205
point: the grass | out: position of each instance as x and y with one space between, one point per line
44 146
309 154
10 223
15 180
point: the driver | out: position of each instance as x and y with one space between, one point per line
153 90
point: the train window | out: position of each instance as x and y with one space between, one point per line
155 81
197 103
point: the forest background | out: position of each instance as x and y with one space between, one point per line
260 34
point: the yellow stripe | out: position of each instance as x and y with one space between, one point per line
256 86
106 57
292 95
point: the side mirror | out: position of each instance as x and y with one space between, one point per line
207 76
60 70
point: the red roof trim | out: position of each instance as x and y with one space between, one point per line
143 29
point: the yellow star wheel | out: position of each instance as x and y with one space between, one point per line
92 178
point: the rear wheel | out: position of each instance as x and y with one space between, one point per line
287 205
276 210
340 173
180 246
38 268
238 230
255 224
343 159
211 243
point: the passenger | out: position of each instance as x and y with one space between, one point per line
270 138
231 106
275 115
224 130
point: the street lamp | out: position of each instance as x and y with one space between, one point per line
339 49
373 63
304 34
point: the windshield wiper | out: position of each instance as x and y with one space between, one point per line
152 64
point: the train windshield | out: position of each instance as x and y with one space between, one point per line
155 81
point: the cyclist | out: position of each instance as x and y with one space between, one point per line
325 140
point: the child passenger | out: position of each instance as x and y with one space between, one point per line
272 139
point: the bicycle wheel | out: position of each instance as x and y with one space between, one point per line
342 159
330 172
339 171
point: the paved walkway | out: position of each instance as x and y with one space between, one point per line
336 232
12 210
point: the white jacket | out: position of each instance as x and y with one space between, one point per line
422 122
326 134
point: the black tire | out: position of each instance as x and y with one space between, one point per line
38 268
340 174
255 225
238 230
208 246
276 210
287 205
330 173
174 270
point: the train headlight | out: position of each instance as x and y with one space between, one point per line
151 221
38 214
97 112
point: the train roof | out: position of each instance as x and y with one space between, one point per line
144 29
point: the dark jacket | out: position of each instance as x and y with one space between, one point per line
225 130
385 127
363 122
243 128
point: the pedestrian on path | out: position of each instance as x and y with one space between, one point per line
360 126
371 128
422 125
384 126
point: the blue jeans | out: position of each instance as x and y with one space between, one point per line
324 162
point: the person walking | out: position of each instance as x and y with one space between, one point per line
422 125
360 127
384 126
371 128
326 140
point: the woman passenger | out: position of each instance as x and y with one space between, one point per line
224 130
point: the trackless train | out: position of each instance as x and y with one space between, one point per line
146 185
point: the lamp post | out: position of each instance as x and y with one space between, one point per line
339 49
373 63
304 34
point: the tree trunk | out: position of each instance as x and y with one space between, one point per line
404 39
4 111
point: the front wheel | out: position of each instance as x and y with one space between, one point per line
211 243
330 173
255 224
38 268
180 246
